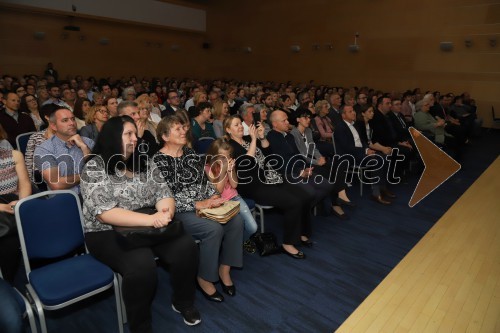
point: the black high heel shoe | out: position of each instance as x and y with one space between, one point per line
215 297
307 242
230 290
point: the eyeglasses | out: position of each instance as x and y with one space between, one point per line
30 100
20 90
103 111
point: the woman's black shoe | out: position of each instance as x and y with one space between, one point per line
215 297
298 255
307 243
345 203
230 290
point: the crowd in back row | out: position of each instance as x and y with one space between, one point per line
275 144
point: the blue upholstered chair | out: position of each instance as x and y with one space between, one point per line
51 234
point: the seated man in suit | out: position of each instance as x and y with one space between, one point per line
348 142
294 168
386 135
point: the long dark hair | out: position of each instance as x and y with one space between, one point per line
23 107
109 146
77 110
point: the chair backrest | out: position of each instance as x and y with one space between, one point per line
22 141
202 144
49 225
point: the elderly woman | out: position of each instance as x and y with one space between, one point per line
221 111
95 119
220 246
200 115
14 185
114 186
265 185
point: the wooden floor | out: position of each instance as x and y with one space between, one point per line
450 281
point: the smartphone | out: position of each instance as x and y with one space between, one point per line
256 117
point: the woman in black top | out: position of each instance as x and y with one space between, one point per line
259 181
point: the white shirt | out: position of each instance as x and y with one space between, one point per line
355 134
246 128
189 103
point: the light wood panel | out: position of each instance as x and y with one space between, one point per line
450 281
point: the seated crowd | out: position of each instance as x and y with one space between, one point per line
275 144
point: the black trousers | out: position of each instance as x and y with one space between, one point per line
295 202
10 256
138 268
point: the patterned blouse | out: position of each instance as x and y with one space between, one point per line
102 192
34 141
8 174
186 178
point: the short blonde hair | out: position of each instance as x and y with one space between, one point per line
90 116
319 105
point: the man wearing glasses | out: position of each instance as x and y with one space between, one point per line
171 104
361 101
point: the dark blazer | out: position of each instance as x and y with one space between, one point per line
382 130
24 124
168 110
398 124
284 146
344 142
335 117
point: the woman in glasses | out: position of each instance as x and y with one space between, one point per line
29 105
95 119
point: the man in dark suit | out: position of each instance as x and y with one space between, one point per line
348 142
171 104
387 135
294 167
13 121
334 112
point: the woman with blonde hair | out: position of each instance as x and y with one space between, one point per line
95 119
220 112
200 97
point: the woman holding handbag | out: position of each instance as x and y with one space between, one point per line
114 184
184 172
14 185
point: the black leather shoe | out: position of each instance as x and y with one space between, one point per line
307 243
230 290
215 297
298 255
388 194
345 203
381 200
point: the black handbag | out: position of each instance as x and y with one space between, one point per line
7 221
135 237
266 243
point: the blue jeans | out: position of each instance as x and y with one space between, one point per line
11 315
250 226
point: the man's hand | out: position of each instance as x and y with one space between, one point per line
321 161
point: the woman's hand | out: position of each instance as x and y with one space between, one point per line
141 127
252 131
161 219
209 203
8 208
260 131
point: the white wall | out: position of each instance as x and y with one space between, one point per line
143 11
